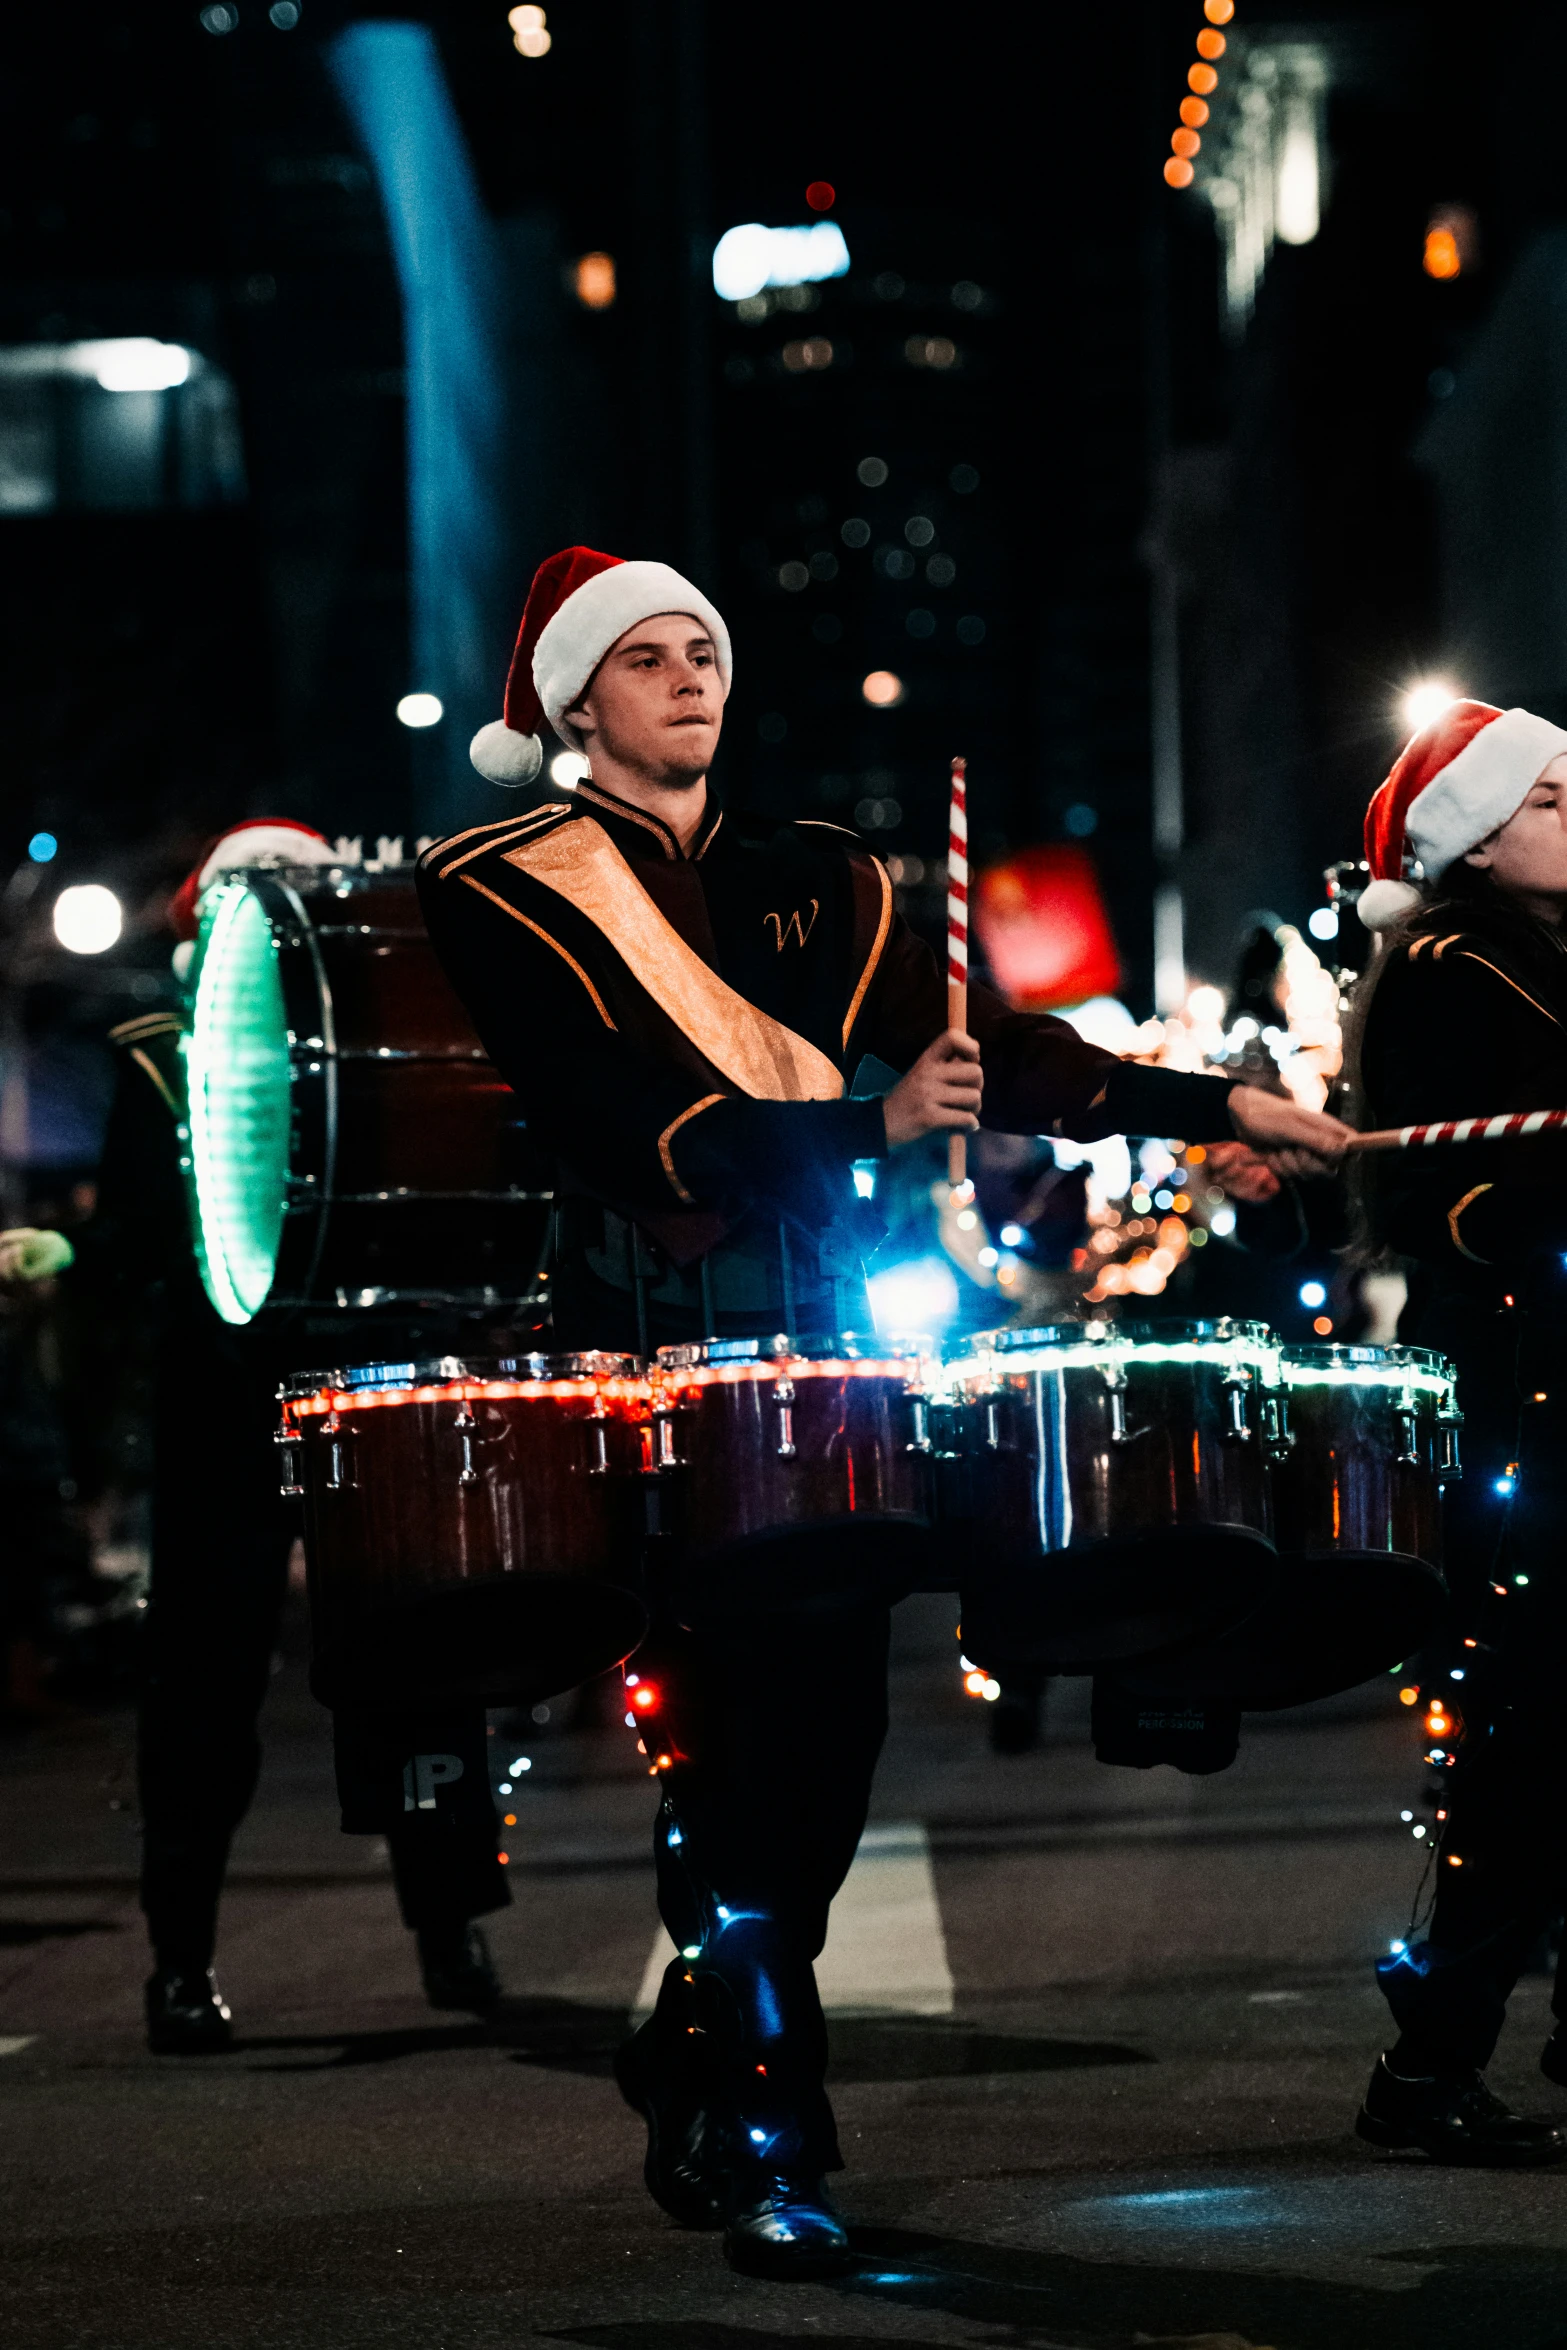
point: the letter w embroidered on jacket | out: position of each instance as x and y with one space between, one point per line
792 926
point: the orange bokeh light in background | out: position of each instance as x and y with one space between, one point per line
1202 79
1322 1326
595 281
1218 11
883 689
1194 112
1441 257
1179 172
1210 44
1185 142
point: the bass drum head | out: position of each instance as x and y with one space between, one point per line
1326 1622
239 1077
832 1567
1077 1610
510 1640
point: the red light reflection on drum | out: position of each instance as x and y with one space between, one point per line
630 1396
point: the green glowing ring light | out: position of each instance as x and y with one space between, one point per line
239 1084
348 1143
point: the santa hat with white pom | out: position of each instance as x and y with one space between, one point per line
1456 781
579 605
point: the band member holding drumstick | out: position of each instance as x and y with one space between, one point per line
680 999
1465 1013
221 1537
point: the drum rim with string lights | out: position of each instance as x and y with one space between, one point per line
547 1507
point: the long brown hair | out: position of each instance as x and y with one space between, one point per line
1467 898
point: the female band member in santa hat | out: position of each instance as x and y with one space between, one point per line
1465 1011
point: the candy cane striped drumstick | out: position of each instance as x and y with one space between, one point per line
957 943
1505 1127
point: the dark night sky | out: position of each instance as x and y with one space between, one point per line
152 177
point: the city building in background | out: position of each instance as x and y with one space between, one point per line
1139 417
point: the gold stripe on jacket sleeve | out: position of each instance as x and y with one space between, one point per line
144 1061
1453 1215
598 1001
875 955
524 829
668 1136
1468 955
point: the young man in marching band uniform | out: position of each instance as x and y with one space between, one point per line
221 1538
1465 1013
680 998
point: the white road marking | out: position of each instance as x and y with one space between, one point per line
13 2045
886 1953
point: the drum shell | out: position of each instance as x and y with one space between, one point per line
1046 1460
410 1174
1096 1518
552 1515
847 1511
1361 1471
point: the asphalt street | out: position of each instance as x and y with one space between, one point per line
1099 2036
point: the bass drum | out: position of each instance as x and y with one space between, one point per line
473 1531
349 1144
1370 1438
1105 1487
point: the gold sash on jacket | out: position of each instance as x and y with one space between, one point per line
758 1054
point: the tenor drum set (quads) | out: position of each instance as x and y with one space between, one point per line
1193 1504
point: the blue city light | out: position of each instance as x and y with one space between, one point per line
864 1179
921 1296
747 258
1507 1485
42 847
1322 922
1313 1294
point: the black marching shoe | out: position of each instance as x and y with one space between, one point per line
1553 2057
787 2230
684 2167
1453 2117
186 2013
457 1967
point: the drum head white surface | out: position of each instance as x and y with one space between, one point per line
237 1075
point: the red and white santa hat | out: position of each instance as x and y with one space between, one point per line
579 604
1460 777
261 840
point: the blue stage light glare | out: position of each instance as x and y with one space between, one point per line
922 1295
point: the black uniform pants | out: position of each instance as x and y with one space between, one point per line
221 1536
772 1734
772 1731
1501 1866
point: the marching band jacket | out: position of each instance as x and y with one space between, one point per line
1462 1024
682 1027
